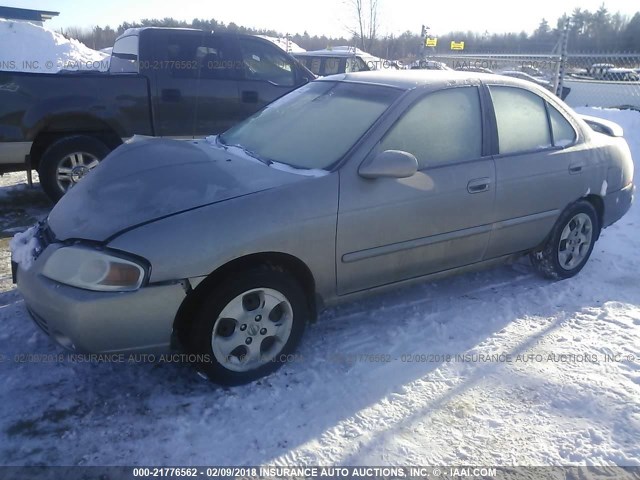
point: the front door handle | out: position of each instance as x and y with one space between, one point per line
479 185
573 169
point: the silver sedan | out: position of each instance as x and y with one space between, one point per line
228 246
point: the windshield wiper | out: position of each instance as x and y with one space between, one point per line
252 154
266 161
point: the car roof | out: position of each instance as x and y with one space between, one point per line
410 79
330 53
621 70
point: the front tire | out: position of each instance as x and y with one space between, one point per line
248 326
66 161
570 243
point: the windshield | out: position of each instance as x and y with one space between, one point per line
312 127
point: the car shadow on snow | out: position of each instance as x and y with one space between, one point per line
583 412
356 356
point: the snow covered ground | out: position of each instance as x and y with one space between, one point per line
25 47
509 369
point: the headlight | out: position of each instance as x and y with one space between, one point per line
93 270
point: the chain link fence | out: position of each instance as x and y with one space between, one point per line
595 80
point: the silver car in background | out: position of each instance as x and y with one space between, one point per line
227 247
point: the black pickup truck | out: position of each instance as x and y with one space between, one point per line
178 83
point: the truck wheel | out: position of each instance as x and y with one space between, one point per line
570 243
66 161
248 326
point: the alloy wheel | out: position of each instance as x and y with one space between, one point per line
73 167
575 241
252 329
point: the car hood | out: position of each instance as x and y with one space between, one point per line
150 179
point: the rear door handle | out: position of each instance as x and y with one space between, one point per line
573 169
479 185
249 96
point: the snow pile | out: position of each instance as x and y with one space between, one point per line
282 43
23 246
25 47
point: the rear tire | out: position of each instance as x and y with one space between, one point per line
570 243
248 326
66 161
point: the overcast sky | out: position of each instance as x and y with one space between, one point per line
330 17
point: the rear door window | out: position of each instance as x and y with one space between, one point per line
181 58
218 59
563 132
201 55
521 119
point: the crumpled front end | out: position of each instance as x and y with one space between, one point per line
90 321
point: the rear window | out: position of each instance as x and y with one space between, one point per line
124 56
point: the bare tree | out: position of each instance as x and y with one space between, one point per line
366 22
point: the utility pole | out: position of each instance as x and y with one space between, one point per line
423 34
562 64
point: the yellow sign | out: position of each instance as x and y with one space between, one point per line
457 45
431 42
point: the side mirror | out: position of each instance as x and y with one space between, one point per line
390 164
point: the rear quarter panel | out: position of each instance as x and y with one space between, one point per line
594 149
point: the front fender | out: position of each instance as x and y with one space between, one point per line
298 220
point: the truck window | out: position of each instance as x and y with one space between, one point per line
218 60
266 62
331 66
313 64
201 56
181 55
124 56
356 64
323 65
